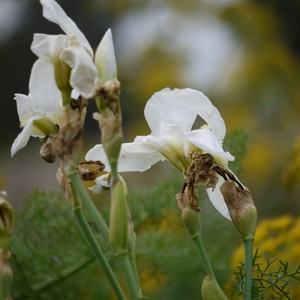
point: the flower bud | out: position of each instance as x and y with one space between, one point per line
211 290
241 208
62 74
105 59
6 276
191 217
7 220
118 219
47 151
112 135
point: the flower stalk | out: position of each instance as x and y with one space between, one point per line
118 236
90 206
88 234
192 219
244 216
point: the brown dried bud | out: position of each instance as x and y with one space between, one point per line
47 151
241 208
89 170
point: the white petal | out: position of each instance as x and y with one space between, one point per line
105 59
171 147
48 47
96 189
84 73
204 139
26 108
217 199
101 182
44 92
54 13
181 106
168 107
23 138
133 157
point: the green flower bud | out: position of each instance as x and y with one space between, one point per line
241 208
62 74
211 290
191 217
6 277
118 219
7 220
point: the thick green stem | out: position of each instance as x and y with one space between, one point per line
208 268
128 275
98 253
248 252
89 204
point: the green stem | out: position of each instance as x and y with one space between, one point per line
208 268
114 170
98 253
90 206
128 275
248 251
132 261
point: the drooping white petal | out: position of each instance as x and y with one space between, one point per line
105 59
54 13
84 73
23 138
26 108
205 140
217 199
133 157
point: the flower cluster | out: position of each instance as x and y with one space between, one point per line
67 68
66 64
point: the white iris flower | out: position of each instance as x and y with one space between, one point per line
40 112
170 115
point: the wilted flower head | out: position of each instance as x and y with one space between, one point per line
170 115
